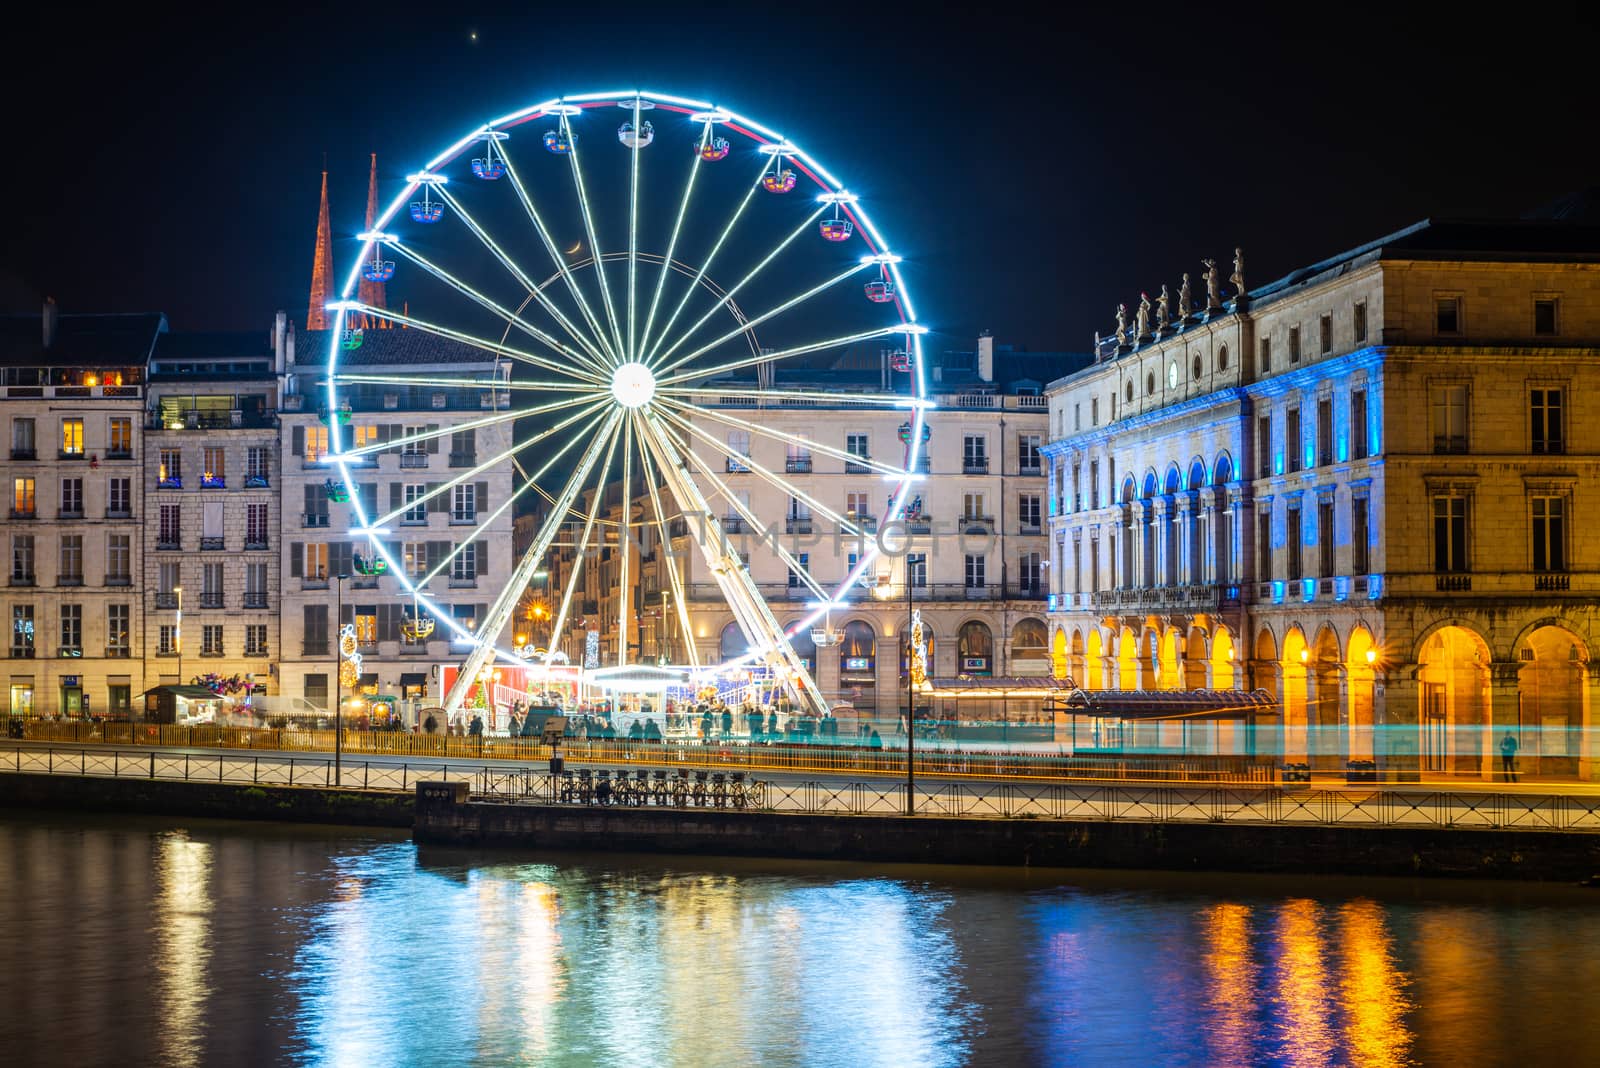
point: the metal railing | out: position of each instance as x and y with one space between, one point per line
243 770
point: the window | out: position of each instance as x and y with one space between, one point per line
1222 357
1094 411
211 639
1294 344
362 436
255 526
1546 321
1450 419
464 567
1028 454
1077 417
1264 446
1545 418
71 498
1447 315
856 445
1449 533
1360 537
70 572
972 506
416 559
364 617
119 442
215 464
255 585
316 560
1266 355
255 639
1549 534
975 572
1076 501
316 505
1294 534
170 474
918 565
316 444
168 577
738 450
119 560
72 437
975 454
464 503
119 498
117 632
414 444
317 690
1094 483
1358 425
22 559
1324 431
463 448
804 560
23 503
1292 443
1325 537
258 464
1264 545
1149 383
1360 318
211 586
167 640
416 508
1028 511
856 506
23 445
1325 334
797 459
21 632
170 532
72 630
1030 572
315 628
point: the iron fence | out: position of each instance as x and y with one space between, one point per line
244 770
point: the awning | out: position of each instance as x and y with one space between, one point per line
368 678
413 678
188 693
964 687
1172 704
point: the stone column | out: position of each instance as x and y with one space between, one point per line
827 672
1588 763
1396 713
1505 713
890 694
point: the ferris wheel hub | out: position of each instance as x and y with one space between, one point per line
633 384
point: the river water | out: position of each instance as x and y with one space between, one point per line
135 941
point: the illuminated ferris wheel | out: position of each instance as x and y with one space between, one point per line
620 264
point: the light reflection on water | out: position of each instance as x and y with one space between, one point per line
138 942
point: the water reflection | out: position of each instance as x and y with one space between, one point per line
182 926
273 946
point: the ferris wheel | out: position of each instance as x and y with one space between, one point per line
624 256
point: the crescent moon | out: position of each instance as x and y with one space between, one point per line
574 248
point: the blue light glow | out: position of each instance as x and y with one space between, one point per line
1277 592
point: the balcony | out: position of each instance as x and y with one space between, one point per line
119 454
463 583
167 601
255 543
314 582
24 454
851 467
211 600
796 466
413 460
174 482
314 519
257 482
21 580
70 513
213 482
733 524
1027 528
1454 582
975 467
119 513
314 648
24 513
211 650
118 652
170 543
70 651
209 545
255 600
463 519
734 467
363 582
255 650
71 454
69 580
1552 582
977 524
119 580
1034 472
797 525
463 459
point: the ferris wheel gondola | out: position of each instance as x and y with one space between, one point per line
611 354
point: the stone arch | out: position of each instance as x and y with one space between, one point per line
732 644
1029 641
1223 661
1266 643
1552 701
1361 677
1195 658
1222 469
1150 484
1168 673
1094 659
1453 682
804 647
975 648
858 641
1127 660
1324 682
1437 625
1561 622
1065 656
1197 473
1174 479
1129 489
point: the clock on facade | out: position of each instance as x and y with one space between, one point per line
1172 375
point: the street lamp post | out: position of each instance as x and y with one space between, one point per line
177 631
883 591
338 683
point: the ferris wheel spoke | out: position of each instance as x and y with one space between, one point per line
471 424
478 469
700 274
594 242
792 439
529 482
633 277
661 358
559 624
494 348
672 242
509 316
702 373
664 552
592 356
877 400
346 378
624 534
846 525
500 611
597 334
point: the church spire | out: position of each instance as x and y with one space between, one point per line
321 266
371 293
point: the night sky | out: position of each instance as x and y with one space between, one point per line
1034 173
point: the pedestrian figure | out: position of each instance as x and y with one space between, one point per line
514 727
875 742
1508 756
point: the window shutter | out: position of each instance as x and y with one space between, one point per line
339 562
396 432
347 614
439 502
211 520
388 622
369 499
394 496
437 551
297 559
481 564
299 441
433 443
482 496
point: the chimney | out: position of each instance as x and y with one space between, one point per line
288 347
986 356
280 324
50 322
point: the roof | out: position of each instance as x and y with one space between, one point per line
964 686
92 340
386 347
1172 704
212 355
187 692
